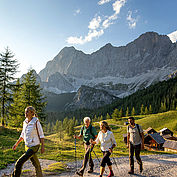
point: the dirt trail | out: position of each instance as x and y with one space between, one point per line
154 166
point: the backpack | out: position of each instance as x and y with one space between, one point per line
82 129
137 128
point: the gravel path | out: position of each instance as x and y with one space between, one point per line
154 166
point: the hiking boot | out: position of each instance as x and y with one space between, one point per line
141 168
79 173
131 172
90 171
111 173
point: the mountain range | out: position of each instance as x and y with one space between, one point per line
118 71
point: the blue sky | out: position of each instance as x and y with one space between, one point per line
36 30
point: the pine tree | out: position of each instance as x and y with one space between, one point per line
8 68
115 114
121 113
65 124
30 95
127 112
163 107
60 130
146 112
16 114
133 111
150 109
142 110
71 128
108 116
48 128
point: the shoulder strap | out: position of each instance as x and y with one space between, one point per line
82 129
38 131
138 129
91 131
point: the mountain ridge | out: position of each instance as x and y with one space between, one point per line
120 71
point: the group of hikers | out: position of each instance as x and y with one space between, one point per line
33 136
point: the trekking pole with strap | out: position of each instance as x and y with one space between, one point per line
98 159
115 161
75 152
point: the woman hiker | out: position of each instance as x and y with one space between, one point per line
108 142
33 135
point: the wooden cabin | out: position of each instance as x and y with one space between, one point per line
149 131
166 131
153 141
170 145
169 137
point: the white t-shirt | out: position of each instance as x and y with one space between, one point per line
106 139
29 132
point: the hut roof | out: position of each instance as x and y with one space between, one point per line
167 136
164 129
170 144
159 139
150 129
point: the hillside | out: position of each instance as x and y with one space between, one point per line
162 93
64 150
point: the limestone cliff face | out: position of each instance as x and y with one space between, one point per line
118 71
146 53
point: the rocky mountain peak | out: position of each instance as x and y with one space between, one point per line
88 97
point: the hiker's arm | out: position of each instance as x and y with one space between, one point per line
128 137
42 145
96 141
17 143
78 137
142 136
111 149
95 137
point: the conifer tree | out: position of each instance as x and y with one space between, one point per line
8 68
115 114
142 110
71 128
29 94
127 112
121 113
150 109
60 130
108 116
133 111
48 128
16 117
146 112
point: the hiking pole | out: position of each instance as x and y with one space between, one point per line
96 156
75 152
115 161
98 159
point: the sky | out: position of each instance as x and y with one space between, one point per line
37 30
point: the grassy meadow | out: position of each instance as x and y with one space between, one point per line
64 150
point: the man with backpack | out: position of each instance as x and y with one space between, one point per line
88 132
135 142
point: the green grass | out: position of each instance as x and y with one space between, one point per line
64 151
7 139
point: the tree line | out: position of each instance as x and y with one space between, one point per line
159 97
